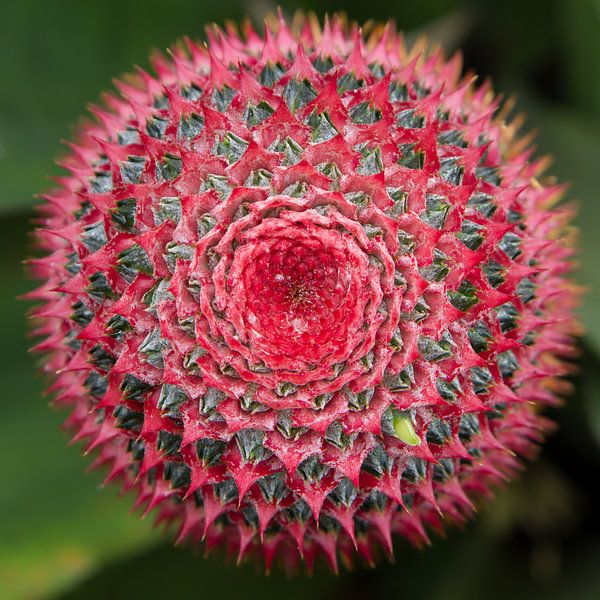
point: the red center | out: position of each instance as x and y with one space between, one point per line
301 294
295 287
297 295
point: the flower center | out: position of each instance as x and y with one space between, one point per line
297 297
297 292
297 281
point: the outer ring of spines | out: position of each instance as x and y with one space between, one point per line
420 159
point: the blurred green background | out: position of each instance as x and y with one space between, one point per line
62 538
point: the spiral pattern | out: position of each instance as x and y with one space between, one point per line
291 302
305 291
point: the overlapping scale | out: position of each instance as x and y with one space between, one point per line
305 291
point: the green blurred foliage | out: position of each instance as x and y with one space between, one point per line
580 34
62 538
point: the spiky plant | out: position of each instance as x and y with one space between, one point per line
305 291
